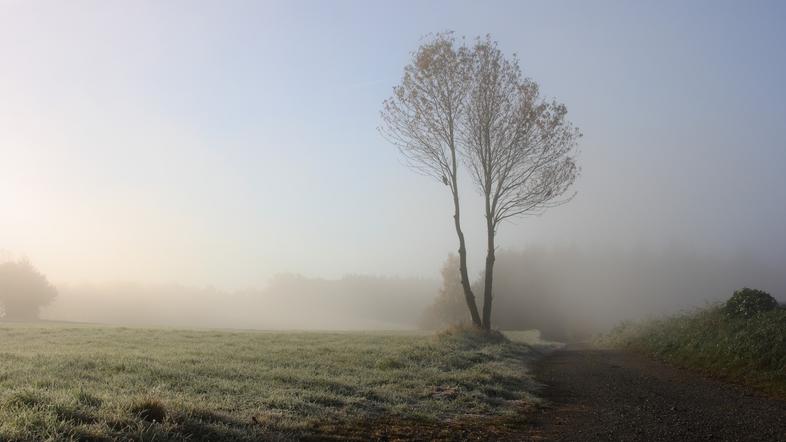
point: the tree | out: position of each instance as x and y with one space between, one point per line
449 306
422 119
23 291
473 103
518 146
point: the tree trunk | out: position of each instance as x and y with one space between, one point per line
462 251
489 276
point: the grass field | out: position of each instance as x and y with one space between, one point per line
61 382
747 350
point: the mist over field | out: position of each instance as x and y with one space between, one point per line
288 302
566 292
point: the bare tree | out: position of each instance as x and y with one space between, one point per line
474 102
422 118
518 146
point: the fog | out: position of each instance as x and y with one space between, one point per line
570 293
566 292
205 158
288 302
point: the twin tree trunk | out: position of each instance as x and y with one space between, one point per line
485 322
462 251
477 321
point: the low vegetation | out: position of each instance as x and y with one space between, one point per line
61 382
742 340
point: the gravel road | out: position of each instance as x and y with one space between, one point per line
615 395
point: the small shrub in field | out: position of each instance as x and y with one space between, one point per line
747 303
149 409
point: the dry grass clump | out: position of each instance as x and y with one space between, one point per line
149 409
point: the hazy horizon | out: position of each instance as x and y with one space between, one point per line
207 145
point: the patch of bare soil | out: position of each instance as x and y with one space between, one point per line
616 395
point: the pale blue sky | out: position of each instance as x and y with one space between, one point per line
222 142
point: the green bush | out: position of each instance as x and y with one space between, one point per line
744 349
747 303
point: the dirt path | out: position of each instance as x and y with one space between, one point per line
614 395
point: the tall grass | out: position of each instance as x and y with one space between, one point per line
749 350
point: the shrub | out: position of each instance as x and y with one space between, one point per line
747 303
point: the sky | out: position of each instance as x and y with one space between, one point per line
220 143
